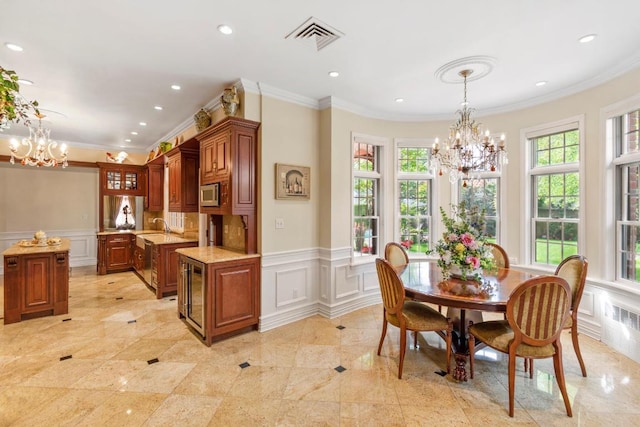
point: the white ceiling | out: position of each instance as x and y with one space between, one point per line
99 67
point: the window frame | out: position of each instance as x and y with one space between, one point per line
398 175
532 172
616 160
381 176
497 175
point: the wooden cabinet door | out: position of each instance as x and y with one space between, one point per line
38 286
155 187
118 252
222 148
190 196
207 162
174 183
235 296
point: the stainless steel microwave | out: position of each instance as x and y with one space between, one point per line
209 194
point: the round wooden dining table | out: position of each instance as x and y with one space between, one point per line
423 281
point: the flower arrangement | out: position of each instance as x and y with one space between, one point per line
463 243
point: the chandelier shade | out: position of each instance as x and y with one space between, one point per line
468 150
37 149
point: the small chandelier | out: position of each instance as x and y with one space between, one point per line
38 148
467 151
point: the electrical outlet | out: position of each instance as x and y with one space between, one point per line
279 222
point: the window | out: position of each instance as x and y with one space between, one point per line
484 193
555 194
414 190
366 199
625 132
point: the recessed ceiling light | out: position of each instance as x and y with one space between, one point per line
25 82
399 100
143 123
175 87
225 29
134 133
587 38
127 140
157 107
541 83
14 47
334 73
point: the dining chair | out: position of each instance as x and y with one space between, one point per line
537 311
396 254
499 255
408 315
574 270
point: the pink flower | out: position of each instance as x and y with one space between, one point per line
473 261
452 237
467 239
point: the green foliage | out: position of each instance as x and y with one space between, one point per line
12 106
463 242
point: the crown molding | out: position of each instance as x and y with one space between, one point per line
274 92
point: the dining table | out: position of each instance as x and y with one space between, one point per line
423 281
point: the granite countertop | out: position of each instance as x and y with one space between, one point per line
213 254
17 249
154 236
163 239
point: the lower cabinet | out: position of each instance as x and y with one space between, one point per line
219 299
36 285
164 268
115 252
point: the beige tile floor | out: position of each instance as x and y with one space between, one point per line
291 379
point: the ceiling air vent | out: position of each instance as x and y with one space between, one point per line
313 28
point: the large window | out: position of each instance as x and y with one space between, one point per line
366 199
485 194
625 132
414 192
555 195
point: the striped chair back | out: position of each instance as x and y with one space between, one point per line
574 270
499 254
396 254
391 287
538 309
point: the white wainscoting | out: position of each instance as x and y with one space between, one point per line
299 284
83 250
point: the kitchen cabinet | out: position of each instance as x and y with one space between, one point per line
183 165
164 268
117 179
155 186
36 281
228 153
222 301
138 260
115 252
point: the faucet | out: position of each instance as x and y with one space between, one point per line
166 226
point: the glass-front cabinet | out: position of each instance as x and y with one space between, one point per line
120 179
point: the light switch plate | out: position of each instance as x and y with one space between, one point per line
279 222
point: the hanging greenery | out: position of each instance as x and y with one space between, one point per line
13 106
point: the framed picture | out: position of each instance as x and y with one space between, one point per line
292 182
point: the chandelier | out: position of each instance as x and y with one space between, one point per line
467 151
39 148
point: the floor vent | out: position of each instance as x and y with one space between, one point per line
313 28
622 315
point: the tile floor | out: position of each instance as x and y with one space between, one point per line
93 370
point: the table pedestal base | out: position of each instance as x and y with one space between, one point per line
460 371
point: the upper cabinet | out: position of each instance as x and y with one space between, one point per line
155 185
228 151
183 164
118 179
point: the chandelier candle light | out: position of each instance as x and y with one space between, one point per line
468 151
39 148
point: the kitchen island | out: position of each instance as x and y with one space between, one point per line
36 280
218 291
